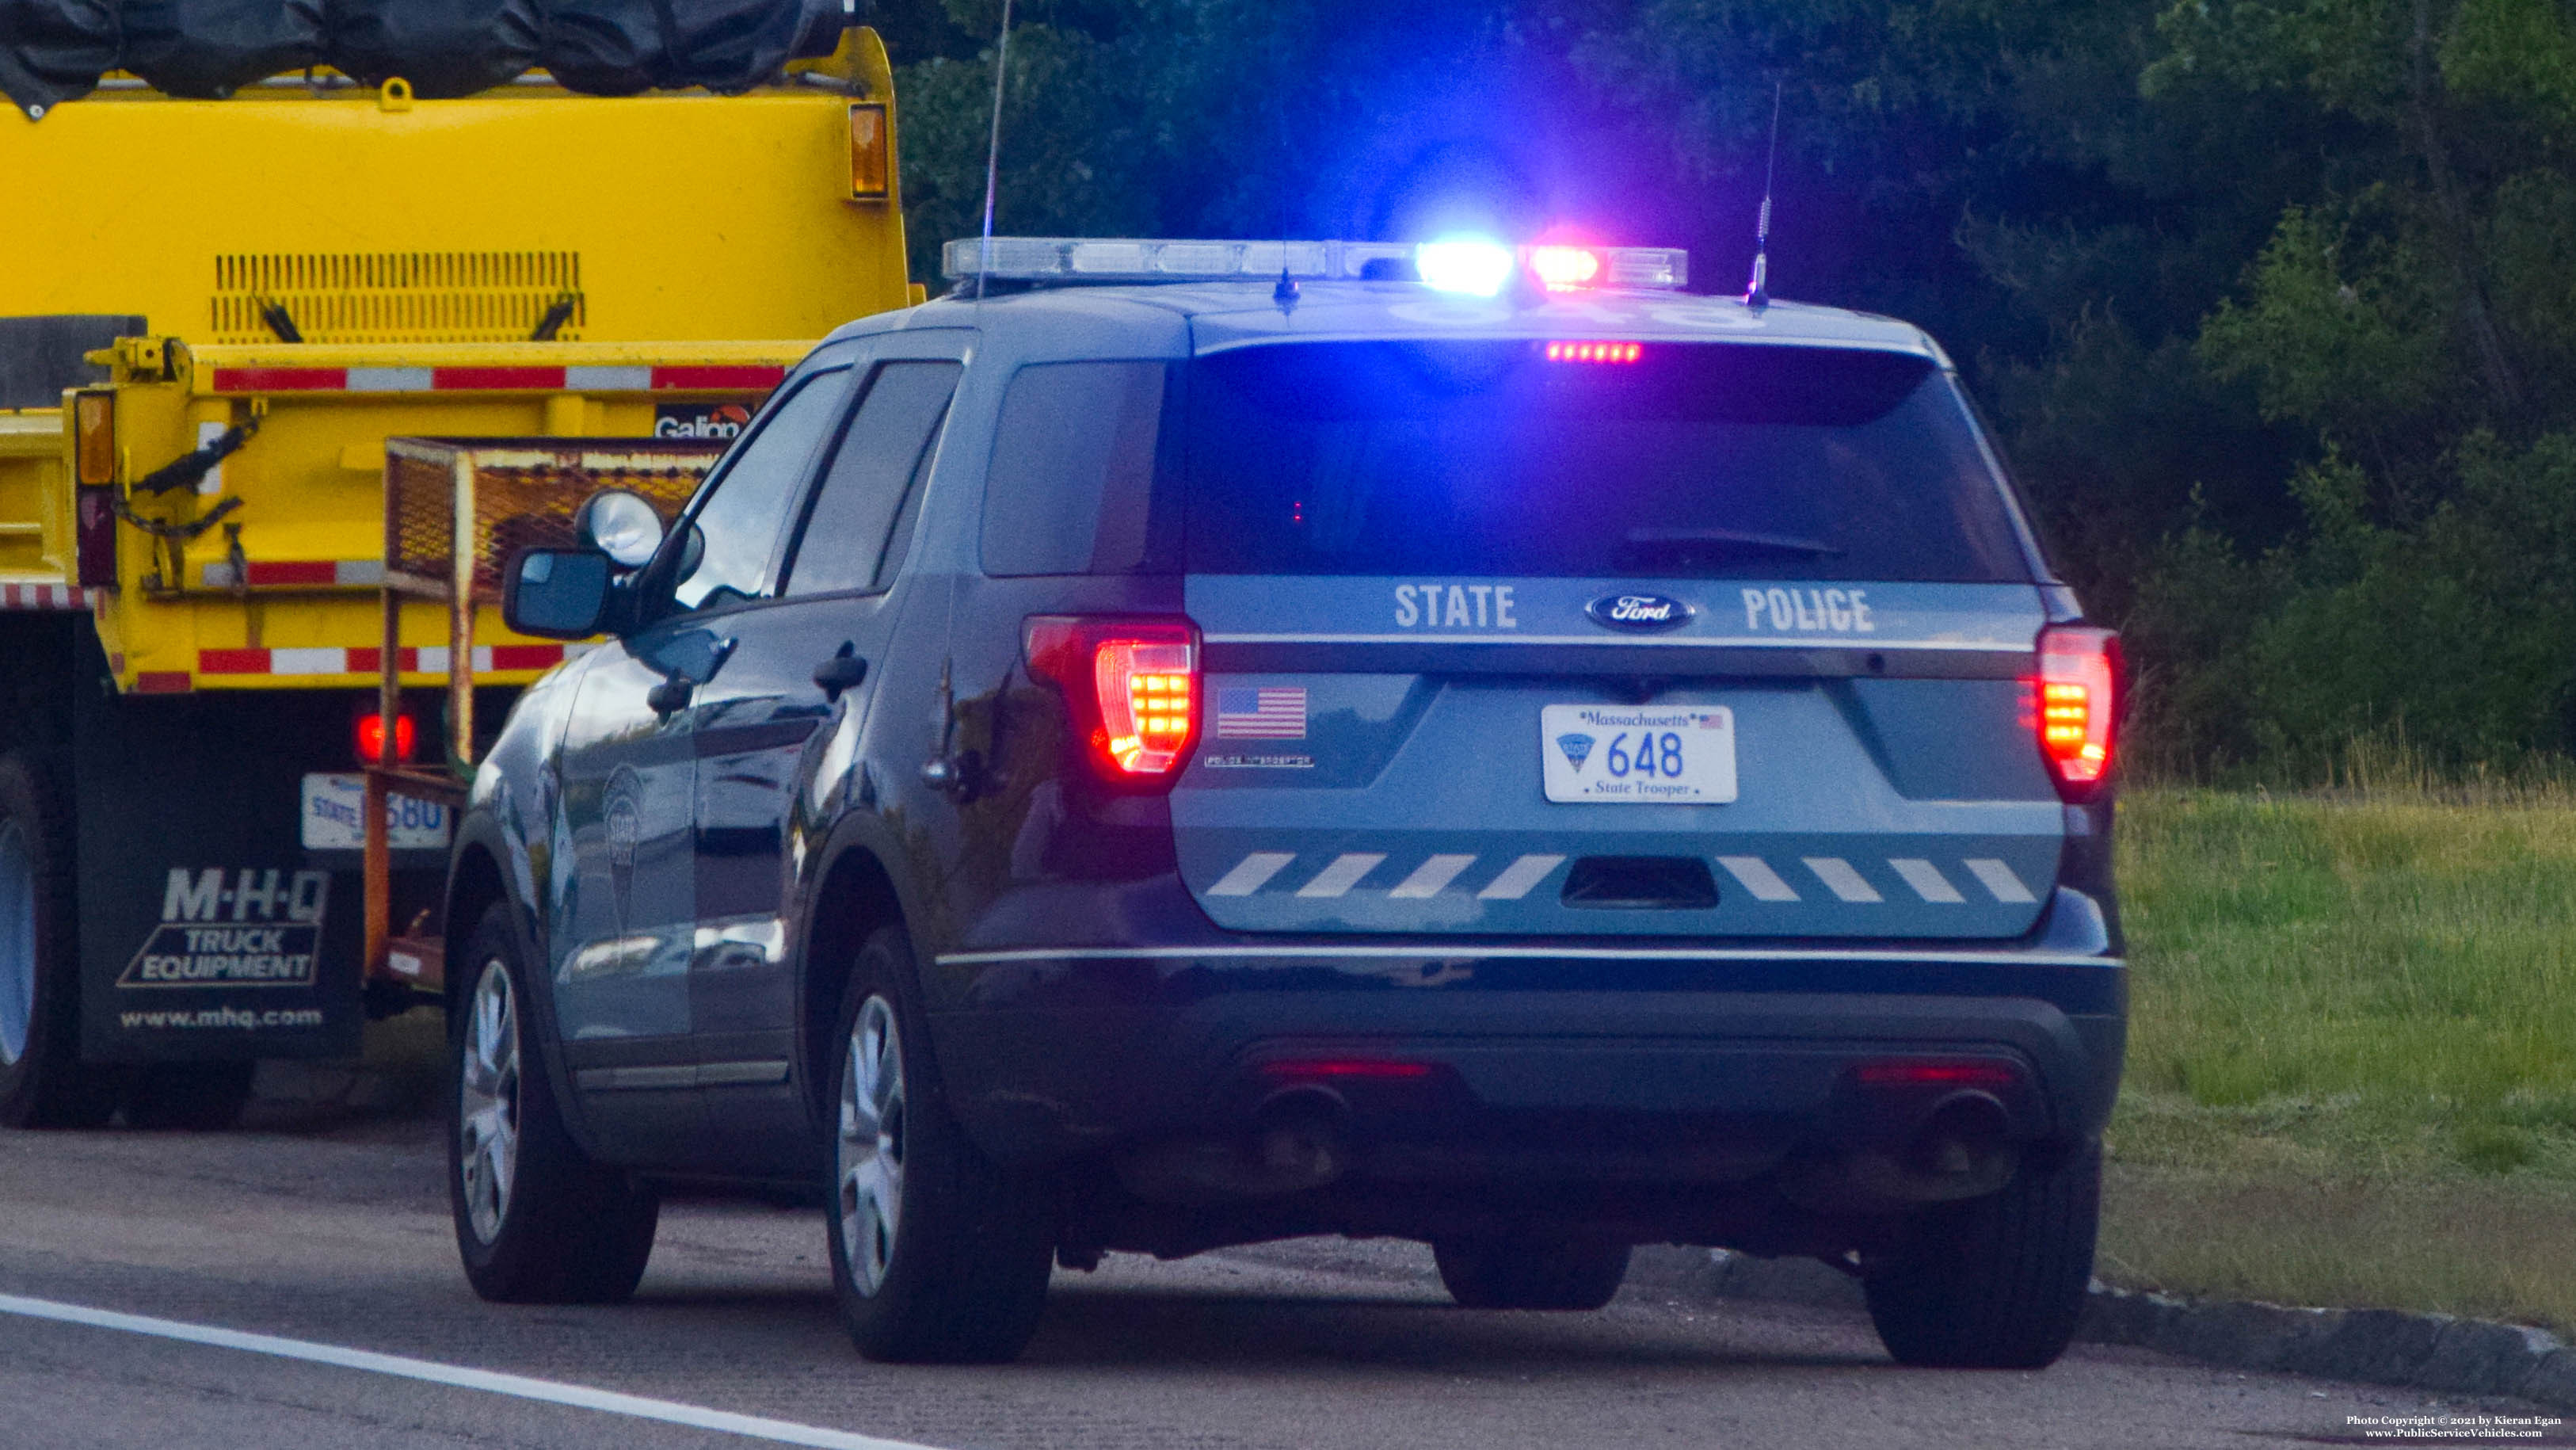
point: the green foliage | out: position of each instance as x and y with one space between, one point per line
2273 301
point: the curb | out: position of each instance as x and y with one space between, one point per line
2373 1346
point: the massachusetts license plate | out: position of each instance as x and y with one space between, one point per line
335 817
1638 755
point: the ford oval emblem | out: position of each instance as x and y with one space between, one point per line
1639 611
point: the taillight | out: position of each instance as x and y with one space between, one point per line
868 171
371 738
1131 686
2076 703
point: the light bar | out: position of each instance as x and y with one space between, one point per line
1137 259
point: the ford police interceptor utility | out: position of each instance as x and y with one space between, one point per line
1185 743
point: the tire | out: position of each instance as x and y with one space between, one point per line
537 1222
201 1097
43 1082
1995 1282
1530 1273
938 1255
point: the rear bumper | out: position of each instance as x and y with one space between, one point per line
1614 1064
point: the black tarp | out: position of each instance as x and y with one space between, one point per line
209 48
442 47
55 50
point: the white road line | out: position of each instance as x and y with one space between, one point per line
1251 872
1842 880
1927 880
2000 880
1519 877
1342 875
1431 877
580 1397
1758 878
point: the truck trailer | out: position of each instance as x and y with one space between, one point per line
214 314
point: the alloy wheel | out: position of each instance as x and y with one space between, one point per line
488 1091
869 1158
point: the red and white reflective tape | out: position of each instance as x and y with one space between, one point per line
297 574
366 660
658 378
45 596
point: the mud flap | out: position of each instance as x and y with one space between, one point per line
206 932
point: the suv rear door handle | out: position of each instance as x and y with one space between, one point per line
842 671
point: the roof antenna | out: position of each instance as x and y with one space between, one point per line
1757 293
993 156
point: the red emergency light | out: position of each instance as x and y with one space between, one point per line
1595 352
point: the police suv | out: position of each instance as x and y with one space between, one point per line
1185 743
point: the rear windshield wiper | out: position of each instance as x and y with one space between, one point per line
1648 548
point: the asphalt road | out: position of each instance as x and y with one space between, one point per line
335 1235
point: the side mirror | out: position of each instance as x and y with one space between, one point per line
621 524
556 593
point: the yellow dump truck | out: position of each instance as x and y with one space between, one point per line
213 315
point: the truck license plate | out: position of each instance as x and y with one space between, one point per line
1638 755
335 818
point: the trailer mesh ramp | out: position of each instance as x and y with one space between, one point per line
521 493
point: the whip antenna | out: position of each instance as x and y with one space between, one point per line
993 155
1757 293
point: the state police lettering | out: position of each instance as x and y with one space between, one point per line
1455 606
1843 611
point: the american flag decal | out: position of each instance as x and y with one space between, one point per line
1272 712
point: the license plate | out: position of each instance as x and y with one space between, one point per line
335 817
1638 755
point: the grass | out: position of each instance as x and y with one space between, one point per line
2352 1069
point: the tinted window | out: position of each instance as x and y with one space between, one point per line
880 458
1073 468
746 509
1695 460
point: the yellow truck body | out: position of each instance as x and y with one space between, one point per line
213 316
685 248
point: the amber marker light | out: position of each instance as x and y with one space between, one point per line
868 151
94 423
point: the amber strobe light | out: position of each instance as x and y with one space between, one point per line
867 151
1131 686
94 421
2078 699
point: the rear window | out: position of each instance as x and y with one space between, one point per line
1687 459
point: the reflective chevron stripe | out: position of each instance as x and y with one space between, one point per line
1341 876
2000 880
1758 878
1842 880
1519 877
1927 881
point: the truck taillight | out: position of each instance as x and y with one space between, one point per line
2076 701
371 739
94 437
868 151
1131 688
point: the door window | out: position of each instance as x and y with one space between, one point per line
743 514
878 465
